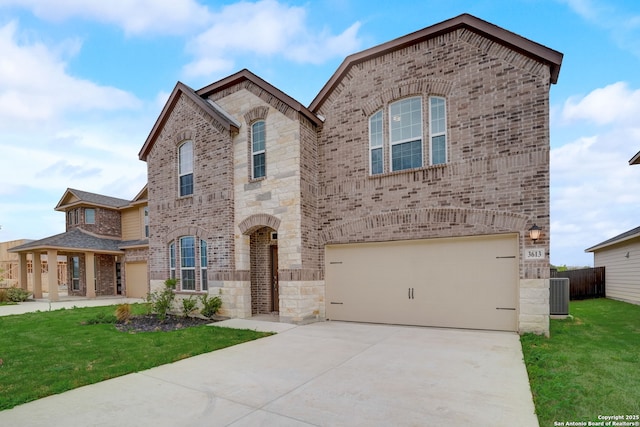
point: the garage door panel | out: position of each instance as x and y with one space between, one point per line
459 282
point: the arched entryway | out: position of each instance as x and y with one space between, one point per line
265 295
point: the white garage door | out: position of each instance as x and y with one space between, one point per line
466 282
137 284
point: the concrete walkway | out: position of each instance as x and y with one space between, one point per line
322 374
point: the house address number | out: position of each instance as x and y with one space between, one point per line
534 254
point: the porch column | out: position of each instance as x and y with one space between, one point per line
52 275
37 275
90 268
22 267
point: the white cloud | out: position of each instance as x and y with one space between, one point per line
595 192
265 28
133 16
623 25
34 84
615 103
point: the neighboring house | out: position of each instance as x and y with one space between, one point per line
403 194
105 246
620 256
9 268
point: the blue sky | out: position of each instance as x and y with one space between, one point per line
82 82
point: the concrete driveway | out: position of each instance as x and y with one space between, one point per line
322 374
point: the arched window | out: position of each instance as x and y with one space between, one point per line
376 138
185 168
405 130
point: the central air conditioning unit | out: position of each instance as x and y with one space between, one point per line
559 296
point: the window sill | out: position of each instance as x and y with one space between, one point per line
413 170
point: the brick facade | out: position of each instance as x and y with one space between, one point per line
318 188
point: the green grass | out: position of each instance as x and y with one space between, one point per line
51 352
589 366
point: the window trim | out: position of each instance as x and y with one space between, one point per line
433 135
255 153
185 173
86 221
185 268
172 260
204 281
393 143
380 147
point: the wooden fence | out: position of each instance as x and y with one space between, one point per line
585 283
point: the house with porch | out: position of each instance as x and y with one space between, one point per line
104 248
404 193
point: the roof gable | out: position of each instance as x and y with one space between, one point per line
627 235
213 110
246 75
73 197
518 43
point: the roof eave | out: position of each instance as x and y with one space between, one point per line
528 47
181 88
245 74
635 160
608 243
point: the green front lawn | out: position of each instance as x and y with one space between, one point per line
589 366
51 352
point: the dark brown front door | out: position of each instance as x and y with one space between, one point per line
275 289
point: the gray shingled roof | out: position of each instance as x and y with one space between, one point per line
99 199
73 239
133 243
619 238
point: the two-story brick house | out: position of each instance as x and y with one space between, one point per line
105 246
403 194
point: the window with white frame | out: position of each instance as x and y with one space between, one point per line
172 260
437 130
89 216
185 168
188 263
408 145
258 150
376 139
405 130
204 283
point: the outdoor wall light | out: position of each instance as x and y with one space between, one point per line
534 232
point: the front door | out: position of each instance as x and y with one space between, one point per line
275 289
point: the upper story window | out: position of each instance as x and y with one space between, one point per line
185 168
407 140
437 130
89 216
146 221
376 140
73 217
405 130
258 150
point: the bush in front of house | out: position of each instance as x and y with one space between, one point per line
210 306
161 301
17 294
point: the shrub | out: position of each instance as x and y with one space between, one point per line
101 318
210 306
17 294
123 313
161 301
189 305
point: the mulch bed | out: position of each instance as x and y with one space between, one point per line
151 323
